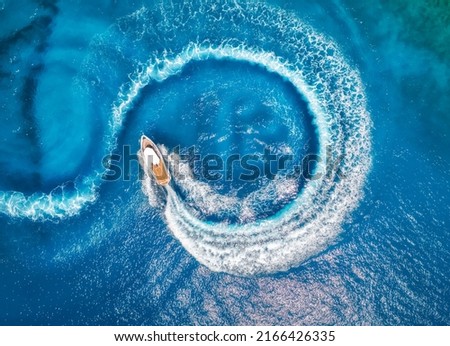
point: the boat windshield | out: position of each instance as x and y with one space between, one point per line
151 157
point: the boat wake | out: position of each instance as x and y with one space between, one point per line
281 44
335 95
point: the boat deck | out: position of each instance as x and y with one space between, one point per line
159 170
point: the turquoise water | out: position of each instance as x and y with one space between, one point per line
365 244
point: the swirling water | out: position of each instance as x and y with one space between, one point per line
366 246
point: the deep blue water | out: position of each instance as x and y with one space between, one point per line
79 82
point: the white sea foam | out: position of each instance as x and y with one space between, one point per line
335 97
57 204
313 219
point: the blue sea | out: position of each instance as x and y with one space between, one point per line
353 229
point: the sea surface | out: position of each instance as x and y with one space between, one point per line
354 229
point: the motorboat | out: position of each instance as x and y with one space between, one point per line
152 161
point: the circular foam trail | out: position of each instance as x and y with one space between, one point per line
335 96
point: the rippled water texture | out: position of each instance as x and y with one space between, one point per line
365 243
